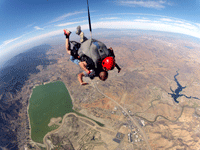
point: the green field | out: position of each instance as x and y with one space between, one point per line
48 101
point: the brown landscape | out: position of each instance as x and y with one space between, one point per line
134 104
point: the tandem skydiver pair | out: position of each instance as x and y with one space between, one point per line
91 55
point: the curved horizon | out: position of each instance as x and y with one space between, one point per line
38 20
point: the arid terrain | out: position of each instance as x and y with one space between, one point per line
153 103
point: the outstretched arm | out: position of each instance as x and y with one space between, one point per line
80 78
67 46
111 52
118 68
113 55
67 34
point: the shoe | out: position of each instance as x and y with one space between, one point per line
78 30
67 32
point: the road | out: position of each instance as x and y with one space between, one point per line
132 119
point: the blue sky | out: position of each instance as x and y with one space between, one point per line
27 21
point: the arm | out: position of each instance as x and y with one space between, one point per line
118 68
83 66
111 52
80 78
116 65
67 34
67 46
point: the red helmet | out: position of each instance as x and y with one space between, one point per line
108 63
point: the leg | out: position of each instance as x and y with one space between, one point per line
82 37
76 61
81 34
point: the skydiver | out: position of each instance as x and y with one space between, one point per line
102 57
84 62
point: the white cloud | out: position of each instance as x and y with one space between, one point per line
142 20
198 25
164 24
150 25
9 41
66 24
157 23
25 43
157 4
186 26
39 38
69 23
110 18
30 25
166 19
67 15
178 21
38 28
